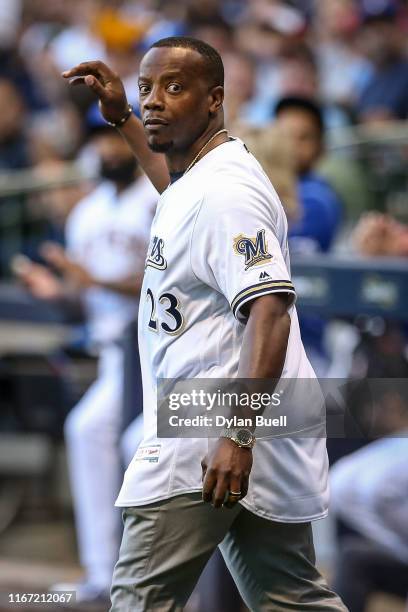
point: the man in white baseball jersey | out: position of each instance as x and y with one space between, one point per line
102 266
217 302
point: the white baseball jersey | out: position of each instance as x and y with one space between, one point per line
108 233
369 492
218 239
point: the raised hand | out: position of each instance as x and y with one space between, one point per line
114 106
105 83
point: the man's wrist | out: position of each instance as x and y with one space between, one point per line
241 436
123 119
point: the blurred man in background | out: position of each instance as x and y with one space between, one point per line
385 97
343 71
106 238
321 209
369 495
300 119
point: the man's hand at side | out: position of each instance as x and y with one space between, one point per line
226 469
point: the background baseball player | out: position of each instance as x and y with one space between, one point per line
106 238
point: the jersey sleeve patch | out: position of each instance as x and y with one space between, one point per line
261 288
253 249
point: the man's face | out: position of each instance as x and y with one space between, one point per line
380 40
304 135
239 78
112 148
175 98
117 162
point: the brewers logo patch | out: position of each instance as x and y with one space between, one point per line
254 250
155 258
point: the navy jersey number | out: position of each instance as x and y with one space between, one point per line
153 320
171 308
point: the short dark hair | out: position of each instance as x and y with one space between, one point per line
213 61
304 104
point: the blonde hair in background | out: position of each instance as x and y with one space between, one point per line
273 151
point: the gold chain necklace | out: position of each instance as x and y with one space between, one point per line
202 149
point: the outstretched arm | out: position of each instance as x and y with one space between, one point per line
113 104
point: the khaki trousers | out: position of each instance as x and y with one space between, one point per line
166 546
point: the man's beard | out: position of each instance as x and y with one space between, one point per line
162 147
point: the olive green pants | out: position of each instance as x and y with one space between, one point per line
166 546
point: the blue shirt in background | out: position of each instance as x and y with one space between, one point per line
387 90
320 217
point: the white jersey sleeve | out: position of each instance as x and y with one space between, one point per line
239 245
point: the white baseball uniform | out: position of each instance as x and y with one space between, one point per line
218 240
107 234
369 492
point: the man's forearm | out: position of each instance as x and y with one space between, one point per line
128 286
153 164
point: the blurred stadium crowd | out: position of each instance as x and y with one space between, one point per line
318 90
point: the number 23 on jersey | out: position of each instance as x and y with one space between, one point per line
172 320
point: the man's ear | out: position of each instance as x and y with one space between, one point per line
216 99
